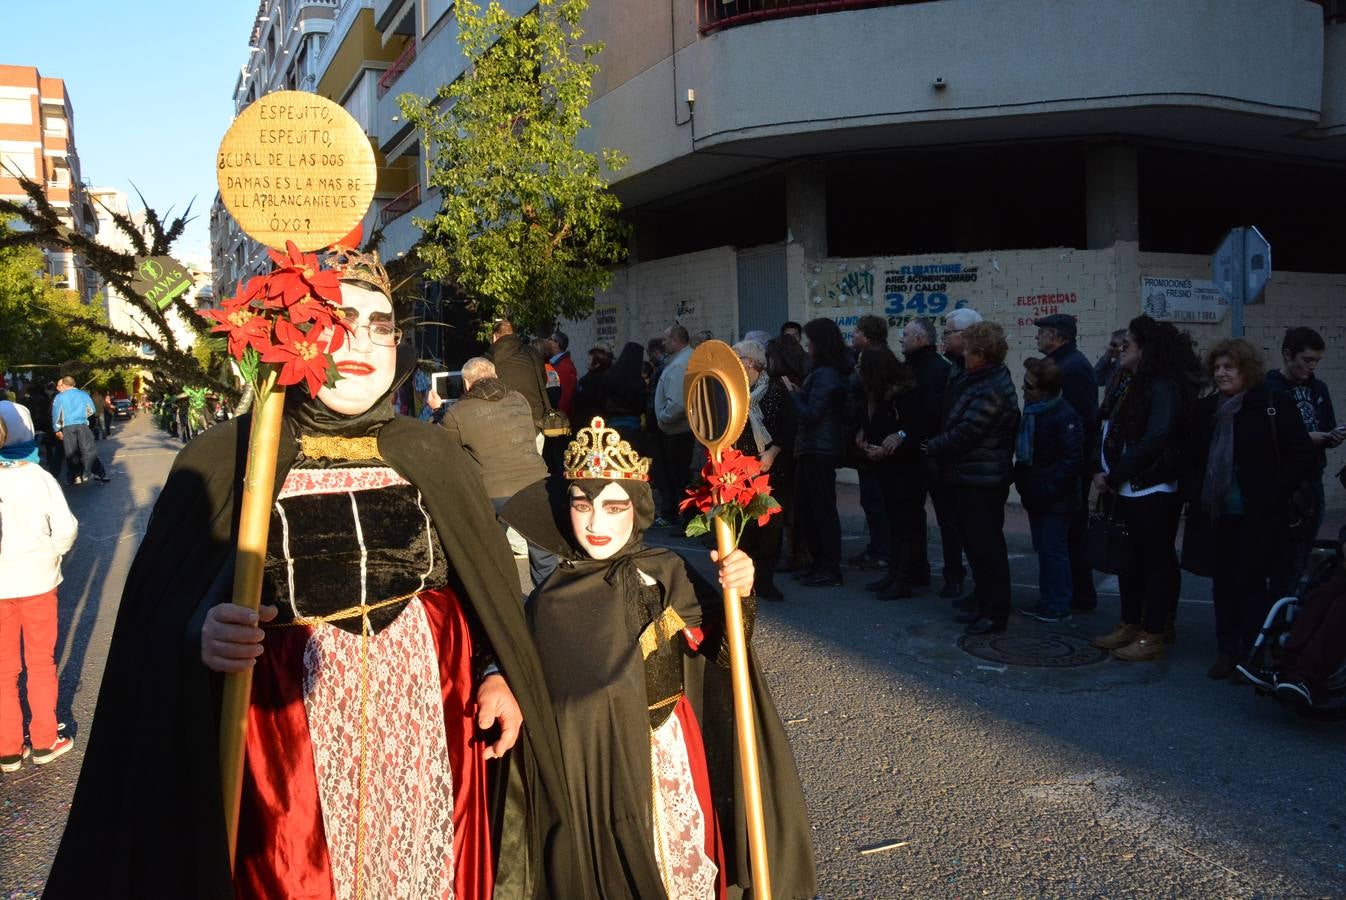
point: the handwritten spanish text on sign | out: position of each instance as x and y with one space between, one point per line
296 166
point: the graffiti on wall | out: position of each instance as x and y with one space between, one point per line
843 286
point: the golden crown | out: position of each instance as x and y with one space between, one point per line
359 266
600 452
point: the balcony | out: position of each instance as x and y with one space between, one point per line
400 205
398 68
714 15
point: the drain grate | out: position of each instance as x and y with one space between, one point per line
1041 649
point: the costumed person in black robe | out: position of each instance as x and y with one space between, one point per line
392 661
632 644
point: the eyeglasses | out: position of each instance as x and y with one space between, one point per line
381 334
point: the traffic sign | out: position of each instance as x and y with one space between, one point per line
1240 267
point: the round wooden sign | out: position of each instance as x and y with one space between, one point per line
296 166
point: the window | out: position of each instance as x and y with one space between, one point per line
55 125
16 111
18 159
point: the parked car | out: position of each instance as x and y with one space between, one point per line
121 409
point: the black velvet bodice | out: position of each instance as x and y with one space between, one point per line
334 549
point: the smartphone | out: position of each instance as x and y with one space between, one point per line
449 385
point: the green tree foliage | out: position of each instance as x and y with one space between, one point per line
108 350
47 330
528 227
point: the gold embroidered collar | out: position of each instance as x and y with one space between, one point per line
325 446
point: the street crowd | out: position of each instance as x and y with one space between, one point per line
1105 457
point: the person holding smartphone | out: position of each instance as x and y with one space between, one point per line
1302 349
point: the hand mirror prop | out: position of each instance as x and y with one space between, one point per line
716 388
716 396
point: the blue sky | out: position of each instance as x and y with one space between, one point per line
152 85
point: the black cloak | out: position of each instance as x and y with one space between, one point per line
147 817
587 612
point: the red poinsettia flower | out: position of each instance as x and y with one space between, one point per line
731 478
304 357
244 327
735 487
327 323
299 275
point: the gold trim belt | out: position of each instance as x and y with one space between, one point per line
350 612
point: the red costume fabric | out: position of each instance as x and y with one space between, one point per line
282 845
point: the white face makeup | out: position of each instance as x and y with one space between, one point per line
365 365
602 524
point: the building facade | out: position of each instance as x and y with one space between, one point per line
791 160
37 141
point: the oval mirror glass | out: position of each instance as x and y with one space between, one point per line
716 394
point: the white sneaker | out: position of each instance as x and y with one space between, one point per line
62 746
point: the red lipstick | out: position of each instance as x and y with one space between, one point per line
598 540
354 367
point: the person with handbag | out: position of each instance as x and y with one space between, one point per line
1049 458
1139 464
1249 453
894 421
1302 350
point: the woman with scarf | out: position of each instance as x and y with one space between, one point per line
1248 452
1049 457
1139 464
893 423
391 662
633 650
769 437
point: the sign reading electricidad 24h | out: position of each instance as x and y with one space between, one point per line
296 166
160 278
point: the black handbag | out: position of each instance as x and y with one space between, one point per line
1302 510
1107 540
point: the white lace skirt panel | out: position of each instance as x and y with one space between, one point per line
376 722
679 822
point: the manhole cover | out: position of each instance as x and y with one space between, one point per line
1044 649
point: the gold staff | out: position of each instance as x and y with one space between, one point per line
338 177
716 395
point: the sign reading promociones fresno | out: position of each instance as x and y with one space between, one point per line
296 166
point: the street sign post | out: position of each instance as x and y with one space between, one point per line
1240 267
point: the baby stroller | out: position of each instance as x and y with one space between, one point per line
1271 664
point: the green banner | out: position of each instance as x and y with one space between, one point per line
160 278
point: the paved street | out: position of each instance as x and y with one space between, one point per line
979 779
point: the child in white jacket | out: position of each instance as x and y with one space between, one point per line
36 530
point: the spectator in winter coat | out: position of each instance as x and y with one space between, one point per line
1302 349
1049 459
973 457
1140 459
519 367
871 333
559 344
1056 340
932 376
670 409
819 443
36 530
1247 452
495 427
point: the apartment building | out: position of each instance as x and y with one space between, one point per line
285 41
37 140
791 159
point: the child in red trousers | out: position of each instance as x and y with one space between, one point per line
36 530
